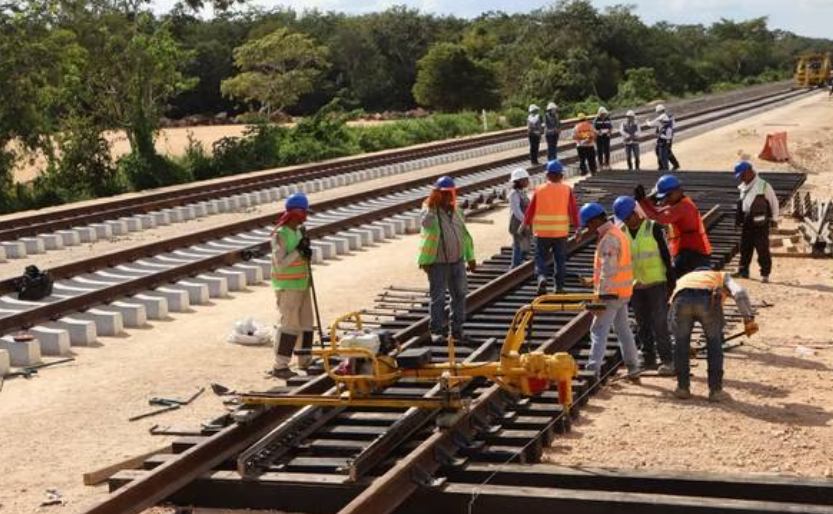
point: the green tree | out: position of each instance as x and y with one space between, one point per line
276 69
450 80
639 87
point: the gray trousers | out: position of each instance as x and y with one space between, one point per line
650 308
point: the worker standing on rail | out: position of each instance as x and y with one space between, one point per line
687 238
653 279
518 203
552 127
757 211
291 254
664 125
604 128
446 250
534 127
699 296
631 134
585 137
550 214
612 275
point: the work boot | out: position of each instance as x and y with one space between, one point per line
438 339
649 361
281 373
633 376
666 369
765 279
542 286
718 395
682 394
740 274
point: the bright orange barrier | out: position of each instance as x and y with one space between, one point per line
775 149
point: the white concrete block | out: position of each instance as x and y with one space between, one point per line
81 332
217 285
236 279
354 241
174 215
264 196
233 203
2 254
102 230
134 223
399 226
51 241
14 249
21 354
378 232
132 314
148 220
265 266
156 307
117 227
53 341
198 293
389 229
201 209
342 245
107 323
34 245
87 234
284 191
366 236
161 218
253 198
186 212
178 299
5 363
327 249
313 186
245 201
253 272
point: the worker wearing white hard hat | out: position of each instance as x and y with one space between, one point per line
552 130
631 135
518 202
664 126
603 126
535 127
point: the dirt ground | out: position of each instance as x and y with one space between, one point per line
73 419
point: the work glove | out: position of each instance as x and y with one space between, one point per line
471 266
304 248
639 193
750 326
524 230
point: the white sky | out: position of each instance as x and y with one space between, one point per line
812 18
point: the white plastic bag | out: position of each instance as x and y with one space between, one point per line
248 332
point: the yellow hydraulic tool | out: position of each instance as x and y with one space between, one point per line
361 382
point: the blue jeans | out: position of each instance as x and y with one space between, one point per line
558 247
663 151
552 146
518 255
615 315
447 277
692 305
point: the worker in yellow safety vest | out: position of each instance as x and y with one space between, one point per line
612 275
291 254
699 296
446 250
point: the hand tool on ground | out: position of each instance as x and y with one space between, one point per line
221 390
172 401
29 371
153 413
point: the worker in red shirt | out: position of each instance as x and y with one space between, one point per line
687 239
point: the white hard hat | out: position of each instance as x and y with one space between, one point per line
533 108
602 110
551 106
630 114
519 174
660 108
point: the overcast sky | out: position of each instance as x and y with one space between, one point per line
805 17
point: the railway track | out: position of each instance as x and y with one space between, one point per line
104 294
346 460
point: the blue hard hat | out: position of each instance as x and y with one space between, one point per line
555 167
445 183
623 207
666 184
297 201
589 211
741 167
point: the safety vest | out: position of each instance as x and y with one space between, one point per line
621 284
296 274
584 134
674 233
704 279
648 267
430 241
552 217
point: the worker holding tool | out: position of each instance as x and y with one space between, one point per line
612 275
653 279
687 239
550 214
291 254
757 212
699 296
446 250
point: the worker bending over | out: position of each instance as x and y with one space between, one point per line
699 297
652 278
585 137
291 254
612 274
446 250
687 239
550 214
757 212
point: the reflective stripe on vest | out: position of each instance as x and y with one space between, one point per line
296 274
584 134
674 234
648 267
621 284
552 218
706 280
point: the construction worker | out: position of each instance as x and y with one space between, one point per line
612 275
446 251
631 133
687 239
757 211
552 127
652 278
699 296
550 214
604 128
664 125
518 202
534 127
291 254
585 137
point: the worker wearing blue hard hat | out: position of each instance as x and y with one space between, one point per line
551 213
613 283
291 278
653 279
687 239
757 212
446 250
